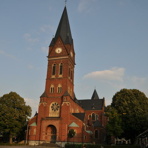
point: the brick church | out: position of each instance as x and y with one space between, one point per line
61 117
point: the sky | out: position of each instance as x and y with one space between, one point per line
110 41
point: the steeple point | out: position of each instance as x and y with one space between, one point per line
95 95
63 30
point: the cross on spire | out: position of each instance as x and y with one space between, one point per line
65 2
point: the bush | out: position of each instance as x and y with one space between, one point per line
73 146
100 146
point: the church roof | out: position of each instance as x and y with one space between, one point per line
90 104
63 30
43 95
66 94
79 116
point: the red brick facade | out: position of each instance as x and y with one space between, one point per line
59 110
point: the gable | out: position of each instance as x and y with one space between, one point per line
73 124
33 124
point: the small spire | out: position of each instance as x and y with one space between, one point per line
95 95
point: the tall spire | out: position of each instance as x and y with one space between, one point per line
63 30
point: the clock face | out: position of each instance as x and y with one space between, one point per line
55 107
58 50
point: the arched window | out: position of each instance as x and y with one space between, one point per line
61 69
52 89
93 116
69 72
97 117
89 116
59 89
96 134
71 75
54 69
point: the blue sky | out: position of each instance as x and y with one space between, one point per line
110 40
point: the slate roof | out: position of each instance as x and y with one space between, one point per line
43 95
35 114
92 104
79 116
95 95
63 30
66 94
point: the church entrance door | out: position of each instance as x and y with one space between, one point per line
51 133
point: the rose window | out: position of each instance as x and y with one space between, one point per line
55 106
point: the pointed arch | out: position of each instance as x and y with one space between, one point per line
97 117
53 69
60 68
59 88
52 89
93 116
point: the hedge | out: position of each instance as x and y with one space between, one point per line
100 146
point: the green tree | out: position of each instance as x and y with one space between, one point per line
113 126
71 133
132 108
14 114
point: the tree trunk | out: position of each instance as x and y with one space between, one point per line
10 139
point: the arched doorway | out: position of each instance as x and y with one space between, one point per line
51 133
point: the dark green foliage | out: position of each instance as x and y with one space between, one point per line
92 146
121 146
113 127
71 133
131 106
99 146
73 146
14 114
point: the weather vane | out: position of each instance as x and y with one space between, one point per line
65 2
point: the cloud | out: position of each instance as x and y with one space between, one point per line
115 73
28 38
7 55
84 5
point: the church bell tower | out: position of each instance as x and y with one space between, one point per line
61 63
